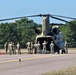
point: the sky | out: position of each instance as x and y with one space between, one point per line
18 8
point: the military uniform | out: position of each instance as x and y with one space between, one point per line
18 48
52 47
44 46
28 44
32 46
37 47
10 46
6 47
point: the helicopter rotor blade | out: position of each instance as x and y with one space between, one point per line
65 17
58 18
52 16
20 17
61 20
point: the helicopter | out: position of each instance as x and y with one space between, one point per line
49 33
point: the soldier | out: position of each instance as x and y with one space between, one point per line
28 44
37 48
18 48
14 48
52 47
66 47
44 46
32 46
10 46
6 47
66 44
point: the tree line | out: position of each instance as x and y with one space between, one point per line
19 31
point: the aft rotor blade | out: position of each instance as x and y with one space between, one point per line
65 17
58 19
20 17
61 20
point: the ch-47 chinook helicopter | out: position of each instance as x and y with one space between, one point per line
49 33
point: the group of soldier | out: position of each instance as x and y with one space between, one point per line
11 48
35 48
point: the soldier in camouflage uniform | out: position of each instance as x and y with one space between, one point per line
44 46
6 47
18 48
52 47
28 44
10 47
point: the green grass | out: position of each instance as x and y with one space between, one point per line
69 71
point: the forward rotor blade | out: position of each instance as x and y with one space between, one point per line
20 17
65 17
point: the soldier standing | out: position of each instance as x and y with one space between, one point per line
28 44
10 47
66 47
44 46
14 48
18 48
6 47
32 46
37 48
52 47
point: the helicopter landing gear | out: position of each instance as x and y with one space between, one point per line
58 51
65 51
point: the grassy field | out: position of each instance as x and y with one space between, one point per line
69 71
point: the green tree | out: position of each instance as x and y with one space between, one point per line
19 31
69 30
72 33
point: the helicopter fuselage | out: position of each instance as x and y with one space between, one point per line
50 34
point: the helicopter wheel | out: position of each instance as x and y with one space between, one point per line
58 51
63 51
